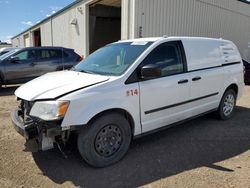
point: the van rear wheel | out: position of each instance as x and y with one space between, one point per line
105 141
227 105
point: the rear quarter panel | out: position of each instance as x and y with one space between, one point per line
233 66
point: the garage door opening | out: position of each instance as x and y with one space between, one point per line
104 23
37 37
26 39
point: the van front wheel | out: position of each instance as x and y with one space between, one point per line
105 141
227 105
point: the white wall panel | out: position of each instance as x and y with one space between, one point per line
69 35
58 31
46 34
15 42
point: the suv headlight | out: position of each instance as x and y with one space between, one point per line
49 110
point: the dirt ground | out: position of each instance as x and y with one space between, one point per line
201 153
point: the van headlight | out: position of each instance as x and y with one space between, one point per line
49 110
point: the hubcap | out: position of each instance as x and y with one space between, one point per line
229 103
108 140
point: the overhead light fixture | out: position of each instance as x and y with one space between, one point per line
73 21
79 9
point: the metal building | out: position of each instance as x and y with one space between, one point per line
86 25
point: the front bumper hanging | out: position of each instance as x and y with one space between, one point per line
29 130
43 134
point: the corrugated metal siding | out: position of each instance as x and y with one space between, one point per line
69 35
125 19
15 42
27 40
46 31
59 32
228 19
18 41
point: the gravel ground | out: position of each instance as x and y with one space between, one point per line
201 153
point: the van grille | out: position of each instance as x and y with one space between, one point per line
25 107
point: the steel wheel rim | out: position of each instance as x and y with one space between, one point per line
108 140
229 103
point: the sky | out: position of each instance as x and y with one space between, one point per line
18 15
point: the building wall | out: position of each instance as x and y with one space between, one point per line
5 45
15 42
46 34
19 41
228 19
26 39
128 19
67 34
58 31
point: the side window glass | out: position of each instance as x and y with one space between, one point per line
31 55
168 59
55 53
22 56
44 54
65 54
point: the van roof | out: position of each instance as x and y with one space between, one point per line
154 39
46 47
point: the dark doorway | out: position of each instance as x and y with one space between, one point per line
104 23
37 37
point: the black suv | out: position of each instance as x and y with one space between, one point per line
247 72
22 65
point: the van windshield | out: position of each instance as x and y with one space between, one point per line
113 59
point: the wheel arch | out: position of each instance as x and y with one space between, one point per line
220 114
121 111
234 87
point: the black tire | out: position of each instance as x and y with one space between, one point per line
222 113
105 141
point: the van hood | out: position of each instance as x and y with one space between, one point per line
53 85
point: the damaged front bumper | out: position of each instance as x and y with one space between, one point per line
41 134
28 131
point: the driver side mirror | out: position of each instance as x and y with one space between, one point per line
14 59
150 71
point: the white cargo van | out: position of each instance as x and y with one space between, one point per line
127 89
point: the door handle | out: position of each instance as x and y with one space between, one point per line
32 64
196 78
183 81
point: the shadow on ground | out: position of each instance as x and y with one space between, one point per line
198 143
8 91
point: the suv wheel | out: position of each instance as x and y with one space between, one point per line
227 105
105 141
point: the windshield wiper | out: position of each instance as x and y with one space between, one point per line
88 72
